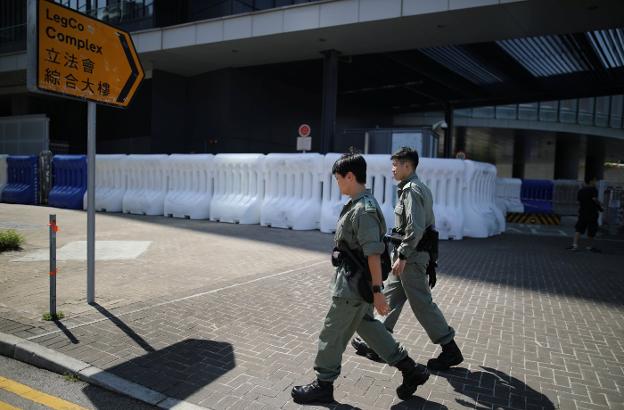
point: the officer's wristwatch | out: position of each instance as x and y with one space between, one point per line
376 289
402 257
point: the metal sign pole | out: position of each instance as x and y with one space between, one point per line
91 202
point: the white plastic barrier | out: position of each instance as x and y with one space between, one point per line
110 183
378 180
482 218
446 180
190 186
508 195
333 201
147 184
602 186
381 183
3 172
292 198
565 201
239 188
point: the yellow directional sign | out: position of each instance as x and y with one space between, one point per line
82 57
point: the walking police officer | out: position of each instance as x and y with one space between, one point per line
356 289
408 281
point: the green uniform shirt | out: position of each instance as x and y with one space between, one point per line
361 226
413 214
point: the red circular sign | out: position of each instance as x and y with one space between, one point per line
304 130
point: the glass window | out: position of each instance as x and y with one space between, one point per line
586 111
506 112
567 111
548 111
602 111
616 111
463 112
483 112
527 111
263 4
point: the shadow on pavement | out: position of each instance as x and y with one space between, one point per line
309 240
177 371
418 402
124 328
492 388
66 332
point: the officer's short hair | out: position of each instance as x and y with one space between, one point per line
351 161
406 154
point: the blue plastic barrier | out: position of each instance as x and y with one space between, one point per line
23 180
537 196
70 181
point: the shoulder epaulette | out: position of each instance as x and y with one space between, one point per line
369 205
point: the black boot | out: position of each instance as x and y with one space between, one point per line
362 349
316 392
450 356
414 375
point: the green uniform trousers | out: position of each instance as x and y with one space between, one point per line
345 317
413 286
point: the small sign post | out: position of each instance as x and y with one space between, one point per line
72 55
304 141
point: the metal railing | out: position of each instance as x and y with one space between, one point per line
605 111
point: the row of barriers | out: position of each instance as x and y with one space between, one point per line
508 195
534 196
282 190
295 191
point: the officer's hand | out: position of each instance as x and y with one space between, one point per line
431 271
379 301
398 267
432 279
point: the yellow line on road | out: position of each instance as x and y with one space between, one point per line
7 406
36 396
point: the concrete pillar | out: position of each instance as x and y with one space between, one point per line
520 153
330 99
460 139
594 161
20 104
567 156
449 117
169 126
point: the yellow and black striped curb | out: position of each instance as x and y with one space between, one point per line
533 219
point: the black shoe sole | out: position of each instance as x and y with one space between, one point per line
439 368
299 401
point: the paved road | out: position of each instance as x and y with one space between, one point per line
227 316
27 387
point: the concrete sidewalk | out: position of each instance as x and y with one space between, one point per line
227 316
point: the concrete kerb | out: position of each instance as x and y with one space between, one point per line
42 357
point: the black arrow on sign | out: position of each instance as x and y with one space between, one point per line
133 75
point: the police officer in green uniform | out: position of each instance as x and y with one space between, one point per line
360 229
408 281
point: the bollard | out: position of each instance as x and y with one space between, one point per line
52 315
53 231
